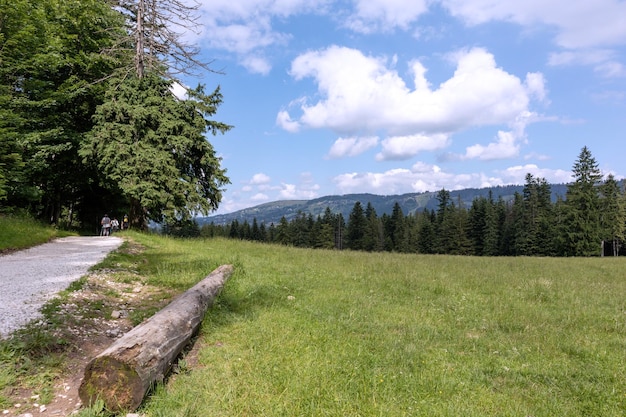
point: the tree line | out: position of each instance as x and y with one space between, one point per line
590 220
88 120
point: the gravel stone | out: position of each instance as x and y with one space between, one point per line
30 277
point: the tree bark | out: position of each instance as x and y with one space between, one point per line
123 373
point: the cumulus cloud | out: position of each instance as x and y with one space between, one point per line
352 146
364 93
536 85
422 177
517 173
505 147
285 122
295 192
405 147
384 15
260 179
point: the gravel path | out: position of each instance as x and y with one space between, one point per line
31 277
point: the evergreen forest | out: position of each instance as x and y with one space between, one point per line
589 221
89 123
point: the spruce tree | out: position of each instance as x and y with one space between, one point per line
373 238
150 146
581 229
50 68
425 231
395 230
355 229
613 214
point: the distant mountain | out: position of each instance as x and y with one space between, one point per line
410 203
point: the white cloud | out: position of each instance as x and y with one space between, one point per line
505 147
405 147
245 27
179 91
260 179
604 61
537 156
305 189
256 64
611 69
424 177
293 192
361 93
284 121
507 144
516 174
580 57
248 27
352 146
579 24
536 85
384 15
584 29
242 37
420 178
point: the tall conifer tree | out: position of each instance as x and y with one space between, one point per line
581 227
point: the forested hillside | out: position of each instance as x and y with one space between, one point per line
587 220
88 120
410 203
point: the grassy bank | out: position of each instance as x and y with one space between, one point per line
324 333
18 232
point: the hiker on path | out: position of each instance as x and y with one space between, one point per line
106 226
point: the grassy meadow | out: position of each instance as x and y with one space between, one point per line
302 332
326 333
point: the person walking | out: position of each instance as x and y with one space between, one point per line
115 225
106 226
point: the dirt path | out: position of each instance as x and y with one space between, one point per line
29 278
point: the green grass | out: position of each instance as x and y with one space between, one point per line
19 232
325 333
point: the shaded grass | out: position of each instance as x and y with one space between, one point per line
325 333
18 232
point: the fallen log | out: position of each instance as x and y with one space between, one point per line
122 374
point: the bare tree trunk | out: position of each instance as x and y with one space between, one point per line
139 47
122 374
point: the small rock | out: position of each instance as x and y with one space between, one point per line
116 314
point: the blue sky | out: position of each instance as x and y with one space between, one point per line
398 96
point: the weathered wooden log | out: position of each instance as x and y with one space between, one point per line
123 373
